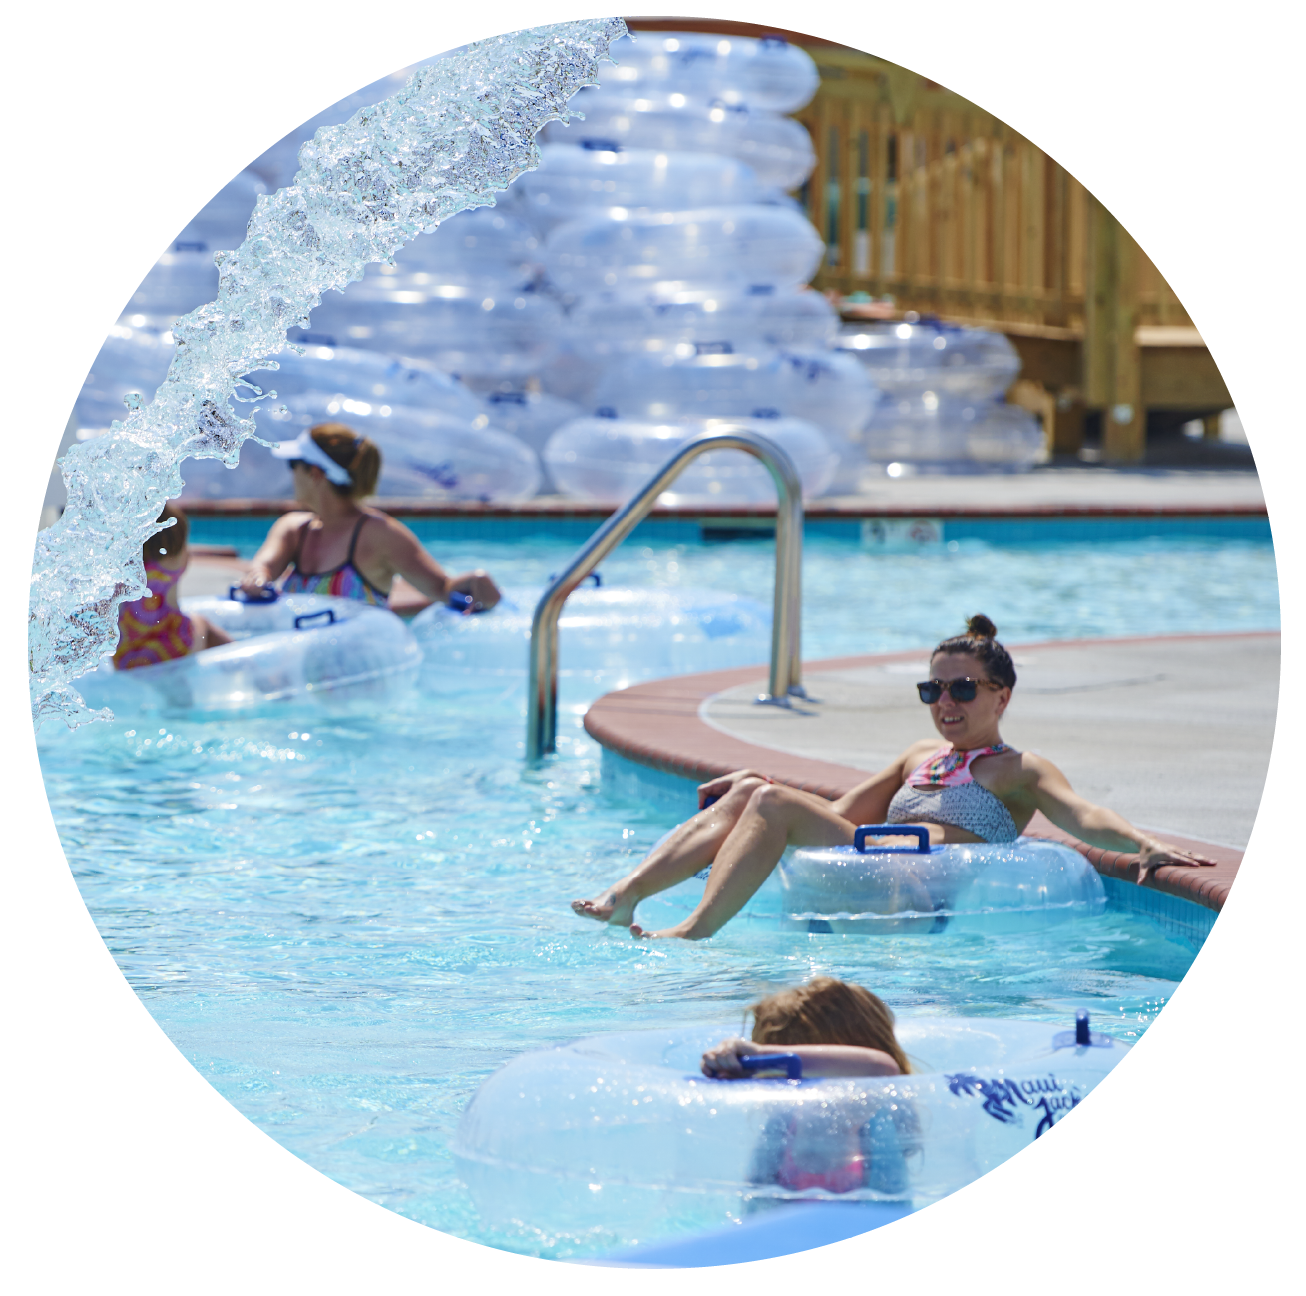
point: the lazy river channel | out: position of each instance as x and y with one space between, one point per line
347 922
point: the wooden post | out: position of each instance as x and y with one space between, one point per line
1112 368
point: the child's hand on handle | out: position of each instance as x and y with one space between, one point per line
722 1062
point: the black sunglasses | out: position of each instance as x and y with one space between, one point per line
960 690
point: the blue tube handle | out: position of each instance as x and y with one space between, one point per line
922 836
461 602
1081 1036
790 1062
306 617
268 594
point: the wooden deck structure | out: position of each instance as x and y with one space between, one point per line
928 203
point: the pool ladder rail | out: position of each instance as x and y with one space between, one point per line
785 680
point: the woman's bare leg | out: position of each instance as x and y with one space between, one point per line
691 847
774 817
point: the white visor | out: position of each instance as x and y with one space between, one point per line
305 448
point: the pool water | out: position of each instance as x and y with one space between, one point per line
347 922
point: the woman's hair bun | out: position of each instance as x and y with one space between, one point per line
980 627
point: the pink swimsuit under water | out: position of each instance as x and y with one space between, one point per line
846 1173
345 581
953 797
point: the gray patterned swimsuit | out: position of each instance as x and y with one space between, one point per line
955 799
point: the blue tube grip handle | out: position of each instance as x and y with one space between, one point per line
313 620
268 594
791 1063
921 834
461 602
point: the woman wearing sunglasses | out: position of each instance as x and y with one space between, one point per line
970 788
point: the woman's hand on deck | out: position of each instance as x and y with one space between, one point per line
1155 854
722 1062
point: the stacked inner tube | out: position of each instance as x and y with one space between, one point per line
426 454
943 408
682 264
651 271
611 458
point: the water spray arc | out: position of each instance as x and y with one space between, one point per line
462 129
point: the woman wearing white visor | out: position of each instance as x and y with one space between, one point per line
339 547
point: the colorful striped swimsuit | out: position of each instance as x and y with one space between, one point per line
154 629
345 581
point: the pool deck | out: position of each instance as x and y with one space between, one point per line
1061 491
1057 491
1172 732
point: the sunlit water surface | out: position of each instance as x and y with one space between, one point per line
346 923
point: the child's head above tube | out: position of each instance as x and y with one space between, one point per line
826 1011
167 548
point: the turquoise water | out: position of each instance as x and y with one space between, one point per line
346 923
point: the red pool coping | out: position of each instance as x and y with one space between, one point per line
657 725
816 510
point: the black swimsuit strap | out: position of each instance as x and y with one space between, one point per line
353 544
349 561
299 545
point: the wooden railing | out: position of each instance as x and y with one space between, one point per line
925 197
928 203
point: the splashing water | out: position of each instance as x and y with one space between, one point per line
461 129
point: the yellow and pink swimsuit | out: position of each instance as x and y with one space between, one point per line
154 629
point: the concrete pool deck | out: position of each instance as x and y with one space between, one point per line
1172 732
1059 489
1092 495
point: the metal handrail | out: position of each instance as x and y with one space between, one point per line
786 624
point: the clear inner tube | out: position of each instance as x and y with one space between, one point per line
1023 885
623 1132
614 635
302 647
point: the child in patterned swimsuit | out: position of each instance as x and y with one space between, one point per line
154 629
836 1029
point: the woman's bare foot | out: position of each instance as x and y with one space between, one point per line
672 933
611 907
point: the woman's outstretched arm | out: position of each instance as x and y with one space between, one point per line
394 547
1052 794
